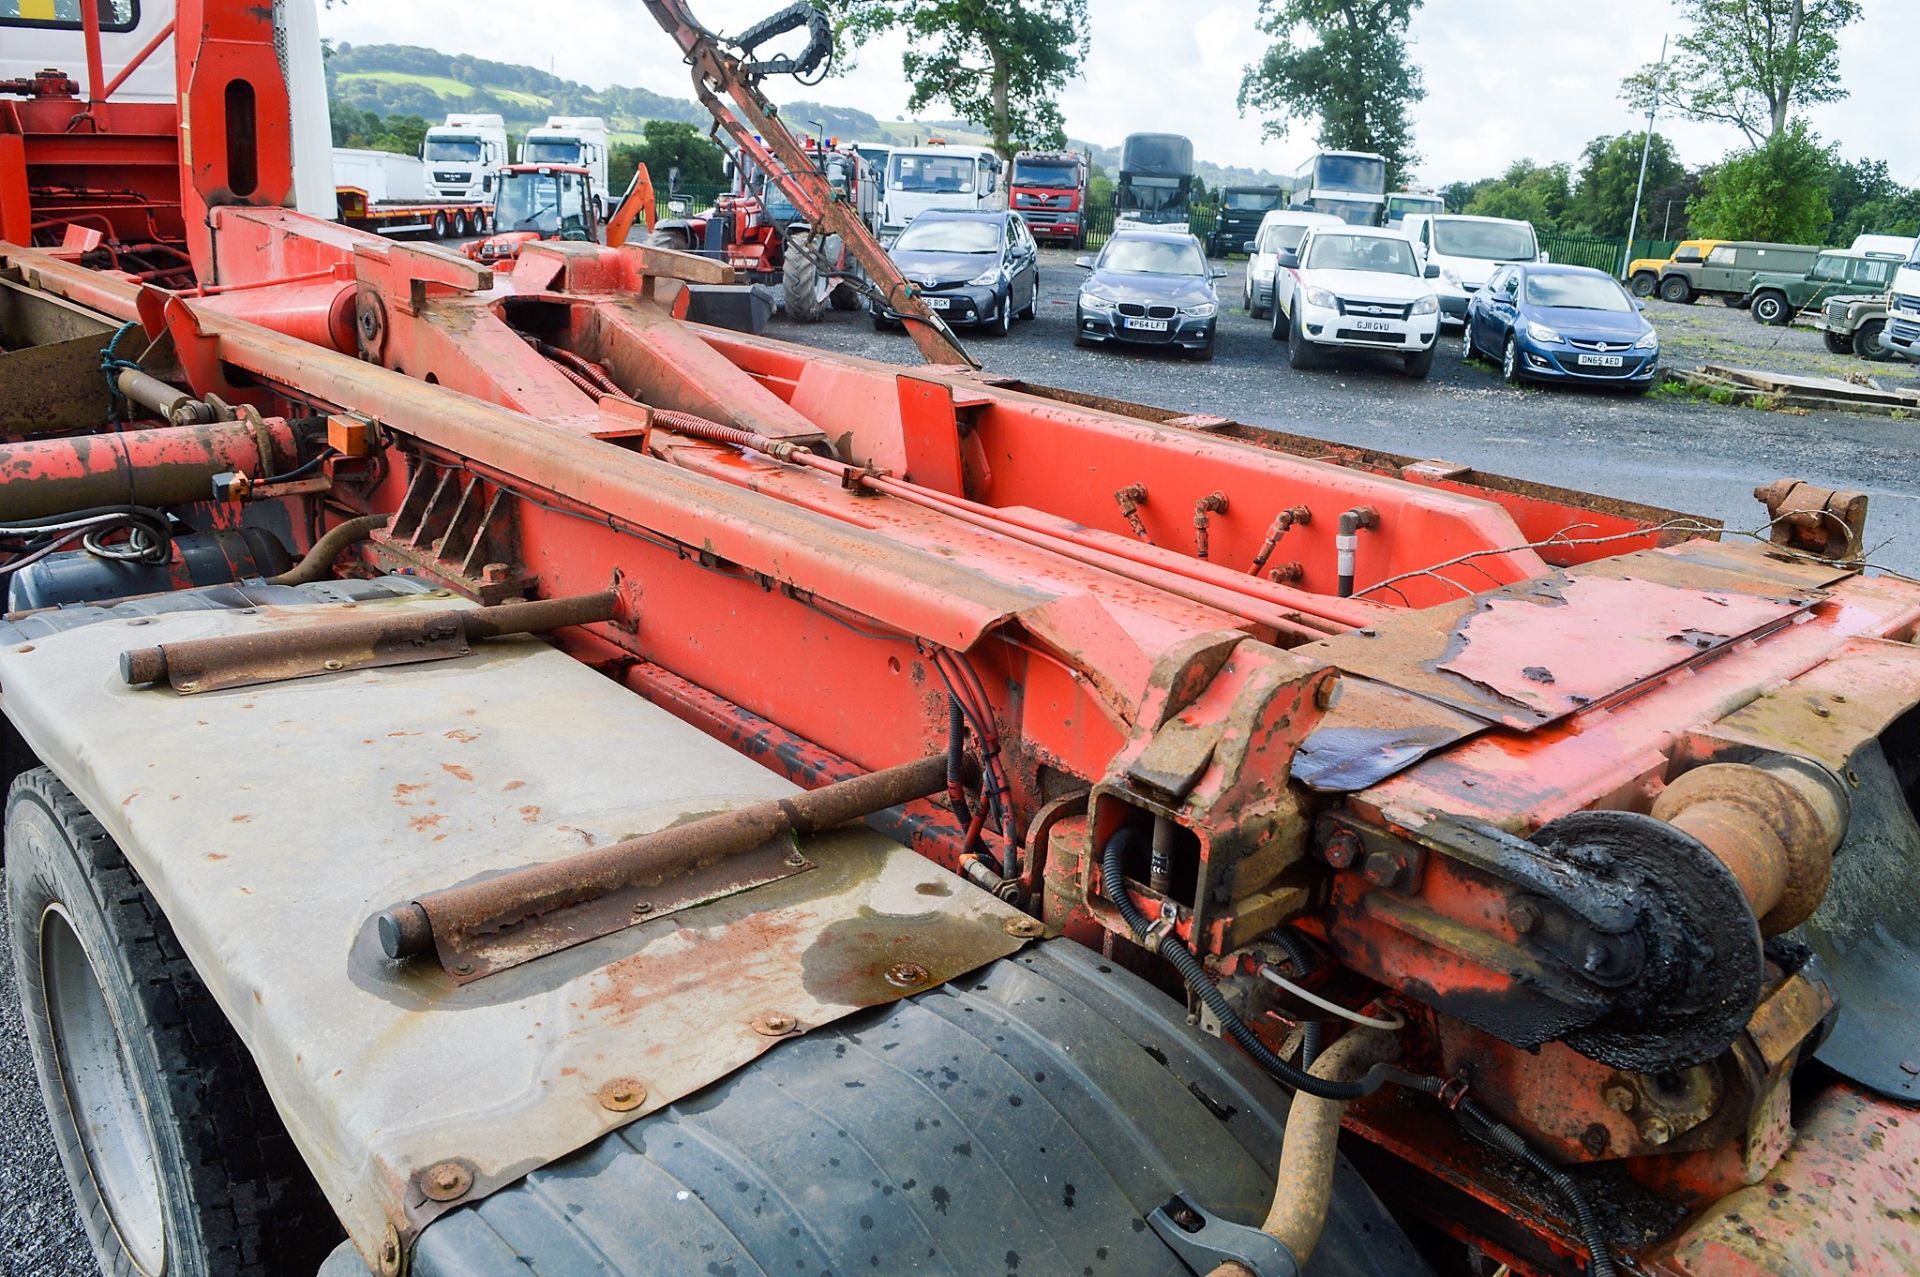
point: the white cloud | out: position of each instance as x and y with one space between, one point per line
1505 78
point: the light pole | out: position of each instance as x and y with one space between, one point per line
1646 146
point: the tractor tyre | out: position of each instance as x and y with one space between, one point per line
667 239
803 287
842 294
174 1154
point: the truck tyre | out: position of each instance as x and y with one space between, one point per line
666 239
1869 342
460 224
1676 289
802 285
1838 343
440 226
1643 283
1771 307
175 1157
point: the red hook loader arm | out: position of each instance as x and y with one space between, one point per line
584 789
758 132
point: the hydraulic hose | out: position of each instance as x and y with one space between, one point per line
1313 1033
319 560
1182 959
956 760
1511 1142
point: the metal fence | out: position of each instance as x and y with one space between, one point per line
1602 253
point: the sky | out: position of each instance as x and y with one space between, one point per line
1505 79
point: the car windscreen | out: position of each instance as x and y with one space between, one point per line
1251 201
1053 175
1152 257
446 150
550 151
950 235
1829 268
931 174
1380 253
1577 292
1400 206
1489 241
1283 235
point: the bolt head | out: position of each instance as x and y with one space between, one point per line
1525 916
1656 1130
1343 849
445 1181
1024 927
642 907
907 975
622 1095
1620 1099
774 1024
1383 868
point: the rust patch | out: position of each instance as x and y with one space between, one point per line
529 813
420 824
456 770
512 785
626 988
216 855
242 818
466 736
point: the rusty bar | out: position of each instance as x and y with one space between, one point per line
508 900
394 638
172 465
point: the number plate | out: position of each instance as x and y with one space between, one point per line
1373 325
1148 325
936 303
1600 361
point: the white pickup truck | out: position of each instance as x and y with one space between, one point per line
1357 288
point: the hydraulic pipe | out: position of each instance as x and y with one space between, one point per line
317 562
169 403
166 466
1282 523
320 312
1203 510
1347 541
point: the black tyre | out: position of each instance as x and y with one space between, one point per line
174 1154
1079 333
1771 308
1300 351
1418 366
1469 353
1869 342
1644 283
461 226
441 225
1002 322
666 239
1204 354
1032 311
1732 302
1675 289
1838 343
1281 324
1510 362
802 284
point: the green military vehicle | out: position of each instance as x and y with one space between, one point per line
1729 268
1776 296
1856 325
1241 208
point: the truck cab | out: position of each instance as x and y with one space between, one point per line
1049 189
1903 309
462 154
572 140
963 178
1401 204
1241 211
1775 297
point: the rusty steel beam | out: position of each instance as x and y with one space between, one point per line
391 637
500 922
173 465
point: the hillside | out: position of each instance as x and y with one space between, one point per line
389 78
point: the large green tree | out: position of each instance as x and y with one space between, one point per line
1344 63
664 146
999 64
1609 173
1749 63
1775 192
1537 193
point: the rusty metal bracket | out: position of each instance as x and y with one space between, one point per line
478 928
388 638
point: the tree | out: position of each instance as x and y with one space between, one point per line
664 146
1778 192
1854 188
1528 192
1350 72
1609 176
1749 63
1000 64
1460 194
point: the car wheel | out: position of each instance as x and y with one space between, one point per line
1644 283
1080 337
1204 354
1837 343
1418 366
1677 290
1869 342
1280 321
1771 308
1510 362
1002 322
1032 311
1469 353
1246 296
1300 352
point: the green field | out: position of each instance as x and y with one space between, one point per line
448 88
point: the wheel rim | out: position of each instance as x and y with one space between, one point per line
1767 309
1510 361
1466 340
114 1136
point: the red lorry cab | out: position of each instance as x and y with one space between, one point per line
1049 189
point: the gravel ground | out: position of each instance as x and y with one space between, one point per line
1698 457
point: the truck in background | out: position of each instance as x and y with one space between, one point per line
386 193
462 155
1241 210
1902 335
966 178
1154 190
1049 189
1403 204
1351 185
572 141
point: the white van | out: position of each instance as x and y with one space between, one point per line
963 178
1467 250
576 141
462 154
1281 229
1902 333
1901 244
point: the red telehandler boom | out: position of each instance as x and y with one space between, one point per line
503 778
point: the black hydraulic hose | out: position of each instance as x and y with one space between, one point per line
1514 1144
957 760
1182 959
1313 1033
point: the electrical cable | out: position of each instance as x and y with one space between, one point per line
1307 995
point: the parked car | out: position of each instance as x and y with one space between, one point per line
1775 297
1856 326
980 269
1643 273
1282 228
1149 288
1728 269
1562 323
1467 250
1357 287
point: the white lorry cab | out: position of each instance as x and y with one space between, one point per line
1902 335
964 178
1467 250
572 141
462 154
